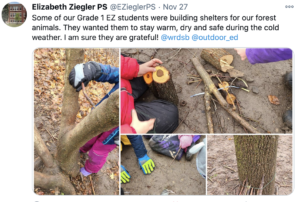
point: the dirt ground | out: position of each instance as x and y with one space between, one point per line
221 152
266 78
181 177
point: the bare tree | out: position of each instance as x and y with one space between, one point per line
71 137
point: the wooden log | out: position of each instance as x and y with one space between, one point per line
148 78
213 90
207 100
164 85
217 57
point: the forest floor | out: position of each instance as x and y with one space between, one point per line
179 177
49 65
221 154
264 79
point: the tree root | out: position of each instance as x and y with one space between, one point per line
52 181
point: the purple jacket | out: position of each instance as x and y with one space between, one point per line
265 55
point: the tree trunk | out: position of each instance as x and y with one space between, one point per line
164 88
103 118
214 57
256 157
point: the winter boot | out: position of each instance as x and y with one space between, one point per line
288 79
288 118
188 155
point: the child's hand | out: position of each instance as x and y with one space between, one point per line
241 52
141 127
148 66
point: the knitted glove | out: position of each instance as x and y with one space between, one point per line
125 177
84 172
84 73
146 164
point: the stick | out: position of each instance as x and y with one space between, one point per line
87 97
229 168
207 98
51 134
92 185
260 190
242 186
212 170
213 90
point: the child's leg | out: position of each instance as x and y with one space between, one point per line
166 115
98 153
85 148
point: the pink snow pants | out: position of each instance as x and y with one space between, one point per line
97 152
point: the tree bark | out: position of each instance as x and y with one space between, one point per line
103 118
214 57
256 157
70 104
165 90
213 90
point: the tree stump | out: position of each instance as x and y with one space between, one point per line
256 160
217 57
161 85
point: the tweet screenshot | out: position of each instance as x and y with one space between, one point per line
149 101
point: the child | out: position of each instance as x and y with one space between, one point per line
265 55
101 145
158 116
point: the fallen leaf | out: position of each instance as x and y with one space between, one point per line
112 176
230 98
273 99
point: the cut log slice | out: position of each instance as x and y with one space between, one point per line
148 78
217 57
164 86
161 75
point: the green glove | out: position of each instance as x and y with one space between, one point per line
125 177
146 164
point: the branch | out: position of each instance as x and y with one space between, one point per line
103 118
52 181
207 99
42 149
213 90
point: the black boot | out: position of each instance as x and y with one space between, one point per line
188 155
288 79
288 118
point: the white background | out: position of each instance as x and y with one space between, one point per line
17 80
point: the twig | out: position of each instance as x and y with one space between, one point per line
212 171
229 168
260 190
242 187
92 185
217 115
87 97
51 134
211 180
181 122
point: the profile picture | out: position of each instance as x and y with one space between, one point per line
14 14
